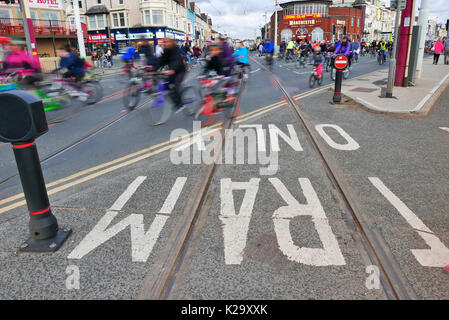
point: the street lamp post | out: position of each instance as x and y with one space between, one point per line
276 27
79 30
392 70
422 20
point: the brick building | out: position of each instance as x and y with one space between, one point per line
317 20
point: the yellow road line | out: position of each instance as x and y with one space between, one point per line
168 145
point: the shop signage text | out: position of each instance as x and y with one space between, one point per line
302 16
303 22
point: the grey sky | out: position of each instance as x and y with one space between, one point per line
241 18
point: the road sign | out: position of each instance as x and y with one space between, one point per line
341 62
394 4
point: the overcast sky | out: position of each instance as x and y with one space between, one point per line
240 18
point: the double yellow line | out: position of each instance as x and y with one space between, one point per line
102 169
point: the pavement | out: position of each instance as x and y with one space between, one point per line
370 91
280 234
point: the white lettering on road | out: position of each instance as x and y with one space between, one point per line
438 254
235 227
330 254
141 243
351 144
292 141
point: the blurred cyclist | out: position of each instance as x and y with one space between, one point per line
20 61
73 63
317 60
173 58
226 55
214 62
344 48
242 56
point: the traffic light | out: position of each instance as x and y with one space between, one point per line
344 30
333 29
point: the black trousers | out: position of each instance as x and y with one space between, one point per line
175 92
436 57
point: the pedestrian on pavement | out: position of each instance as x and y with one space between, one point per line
437 49
260 49
94 58
446 50
159 48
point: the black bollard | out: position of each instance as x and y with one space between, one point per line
340 64
337 91
22 119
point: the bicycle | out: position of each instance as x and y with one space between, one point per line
314 77
138 83
328 61
301 60
242 71
217 96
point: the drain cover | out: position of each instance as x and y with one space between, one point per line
380 82
364 89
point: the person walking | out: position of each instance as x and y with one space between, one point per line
437 49
446 50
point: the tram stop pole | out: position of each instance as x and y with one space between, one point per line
22 120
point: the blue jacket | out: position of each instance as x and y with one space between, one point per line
268 47
242 52
131 54
73 63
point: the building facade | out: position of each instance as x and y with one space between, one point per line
316 20
117 23
379 20
50 26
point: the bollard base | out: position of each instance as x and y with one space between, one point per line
334 102
47 245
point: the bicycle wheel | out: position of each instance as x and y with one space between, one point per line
312 80
132 96
94 90
190 100
346 73
160 110
320 80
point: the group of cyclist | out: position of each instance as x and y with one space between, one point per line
319 52
220 59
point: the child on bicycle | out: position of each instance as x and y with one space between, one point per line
317 60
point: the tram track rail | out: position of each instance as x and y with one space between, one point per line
395 286
162 276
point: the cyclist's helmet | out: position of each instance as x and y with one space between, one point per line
317 49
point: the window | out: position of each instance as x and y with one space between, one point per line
146 17
80 4
352 21
170 20
99 1
100 22
5 16
120 2
52 16
158 17
118 19
92 22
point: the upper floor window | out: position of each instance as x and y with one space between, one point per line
99 1
120 1
96 22
80 4
158 17
118 19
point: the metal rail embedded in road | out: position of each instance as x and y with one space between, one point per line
396 287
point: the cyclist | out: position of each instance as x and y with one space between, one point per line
173 58
130 55
73 63
355 48
282 48
268 48
214 62
290 48
20 61
226 55
317 59
344 48
242 56
383 49
146 49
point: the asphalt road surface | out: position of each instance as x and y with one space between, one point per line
298 199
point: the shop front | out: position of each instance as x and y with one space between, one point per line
124 37
99 41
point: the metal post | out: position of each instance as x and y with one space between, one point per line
53 37
45 234
276 46
79 30
25 25
392 70
422 21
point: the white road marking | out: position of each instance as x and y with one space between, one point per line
141 243
330 254
292 141
438 254
444 128
258 69
235 227
351 144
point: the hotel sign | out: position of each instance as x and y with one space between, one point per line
342 22
302 16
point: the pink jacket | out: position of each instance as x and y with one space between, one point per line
439 47
21 62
